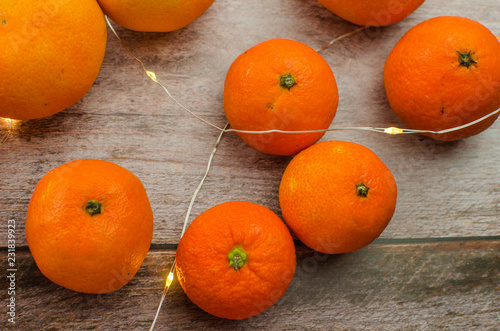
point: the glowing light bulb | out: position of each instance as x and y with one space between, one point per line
393 130
152 75
170 279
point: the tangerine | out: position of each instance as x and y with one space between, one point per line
444 73
337 196
280 84
372 12
52 53
236 260
89 225
154 15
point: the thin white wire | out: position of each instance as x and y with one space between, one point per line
186 219
457 127
152 76
339 38
193 198
159 307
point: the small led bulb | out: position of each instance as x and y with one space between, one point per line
170 279
393 130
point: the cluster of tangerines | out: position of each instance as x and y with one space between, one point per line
237 258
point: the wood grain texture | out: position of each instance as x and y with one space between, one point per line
425 286
445 189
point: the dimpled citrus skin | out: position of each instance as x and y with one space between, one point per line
92 254
254 99
319 199
154 15
429 89
372 12
52 51
203 266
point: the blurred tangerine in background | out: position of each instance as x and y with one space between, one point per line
372 12
154 15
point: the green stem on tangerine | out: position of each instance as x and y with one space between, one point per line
287 81
465 59
362 190
237 258
93 207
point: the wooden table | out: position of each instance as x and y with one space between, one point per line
436 266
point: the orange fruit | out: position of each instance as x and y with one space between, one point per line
337 196
236 260
444 73
280 84
89 225
52 51
372 12
154 15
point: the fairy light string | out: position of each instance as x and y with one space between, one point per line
388 130
340 38
171 273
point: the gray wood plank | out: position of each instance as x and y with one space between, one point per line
445 189
450 285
